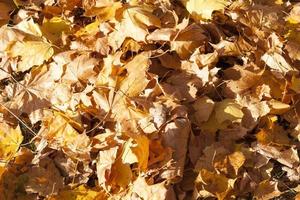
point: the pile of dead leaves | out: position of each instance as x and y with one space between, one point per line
149 99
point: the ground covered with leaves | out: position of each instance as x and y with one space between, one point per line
149 99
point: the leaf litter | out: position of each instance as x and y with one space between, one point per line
153 99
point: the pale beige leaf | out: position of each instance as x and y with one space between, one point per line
32 53
105 160
277 62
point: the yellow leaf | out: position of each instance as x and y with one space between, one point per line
142 16
55 25
105 12
278 107
80 193
137 151
295 84
10 140
121 174
267 189
91 28
228 110
147 191
236 160
136 80
2 169
32 53
61 135
216 184
202 9
28 26
294 17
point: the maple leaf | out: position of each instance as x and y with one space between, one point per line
137 151
32 53
105 161
30 94
10 140
80 69
143 190
61 135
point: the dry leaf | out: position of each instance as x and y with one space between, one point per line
10 140
106 159
44 179
32 53
202 9
228 110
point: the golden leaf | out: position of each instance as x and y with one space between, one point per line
60 134
79 193
137 151
10 140
228 110
32 53
202 9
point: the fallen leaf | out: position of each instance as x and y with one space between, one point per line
10 140
228 110
202 9
143 190
44 179
267 190
106 159
32 53
203 107
79 193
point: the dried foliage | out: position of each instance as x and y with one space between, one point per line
149 99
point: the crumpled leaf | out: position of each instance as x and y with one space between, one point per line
106 159
277 62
